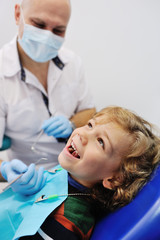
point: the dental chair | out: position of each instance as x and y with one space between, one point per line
139 220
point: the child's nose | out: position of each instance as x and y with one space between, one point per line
84 139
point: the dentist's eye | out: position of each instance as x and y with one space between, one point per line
38 24
101 142
89 125
58 32
42 26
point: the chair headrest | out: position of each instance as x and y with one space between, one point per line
139 220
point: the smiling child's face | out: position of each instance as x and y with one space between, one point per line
94 153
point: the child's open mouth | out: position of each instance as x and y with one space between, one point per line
73 151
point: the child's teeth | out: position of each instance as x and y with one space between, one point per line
73 146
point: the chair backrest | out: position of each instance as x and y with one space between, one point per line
6 143
139 220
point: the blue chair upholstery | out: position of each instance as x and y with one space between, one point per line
6 143
139 220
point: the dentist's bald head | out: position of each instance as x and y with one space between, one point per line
52 15
64 5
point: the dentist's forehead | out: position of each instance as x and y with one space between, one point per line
51 8
64 5
28 2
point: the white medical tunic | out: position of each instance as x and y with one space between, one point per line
22 108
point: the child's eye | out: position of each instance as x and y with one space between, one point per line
100 140
89 124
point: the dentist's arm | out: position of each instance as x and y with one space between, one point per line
81 118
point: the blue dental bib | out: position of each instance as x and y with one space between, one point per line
21 216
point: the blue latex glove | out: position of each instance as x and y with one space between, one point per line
29 183
59 127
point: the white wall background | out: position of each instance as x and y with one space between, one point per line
119 42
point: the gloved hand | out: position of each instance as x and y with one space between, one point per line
29 183
59 127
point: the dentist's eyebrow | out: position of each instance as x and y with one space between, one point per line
38 20
41 22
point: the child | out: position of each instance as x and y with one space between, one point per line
109 160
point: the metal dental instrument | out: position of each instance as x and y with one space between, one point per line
34 144
55 170
33 147
9 184
43 198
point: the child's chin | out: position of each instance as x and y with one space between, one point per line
61 159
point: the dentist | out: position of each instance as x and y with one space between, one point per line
42 87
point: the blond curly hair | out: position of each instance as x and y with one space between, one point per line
137 165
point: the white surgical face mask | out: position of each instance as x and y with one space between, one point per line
39 44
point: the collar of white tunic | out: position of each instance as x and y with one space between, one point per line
11 65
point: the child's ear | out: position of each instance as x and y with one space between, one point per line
107 183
